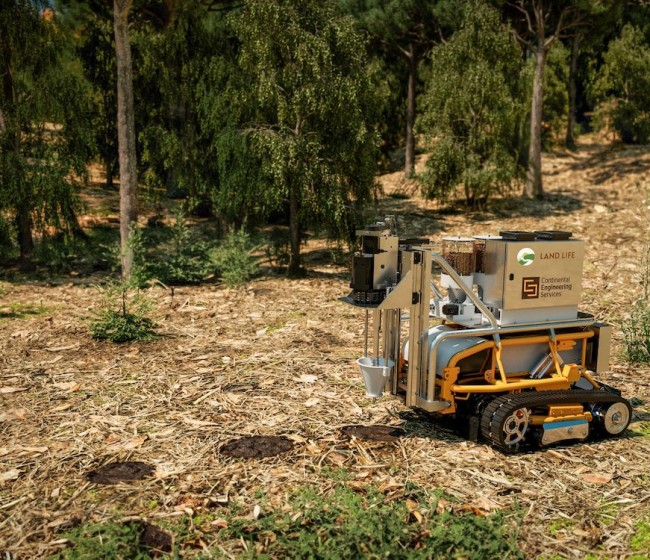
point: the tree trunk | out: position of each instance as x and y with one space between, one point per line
25 240
571 90
109 175
533 187
409 165
294 235
125 133
23 219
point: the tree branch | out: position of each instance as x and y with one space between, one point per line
523 41
406 54
520 7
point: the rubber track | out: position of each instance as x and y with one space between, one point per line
501 407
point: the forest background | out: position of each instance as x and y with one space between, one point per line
273 118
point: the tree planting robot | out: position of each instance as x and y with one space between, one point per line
510 355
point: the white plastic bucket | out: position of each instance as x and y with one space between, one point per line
375 371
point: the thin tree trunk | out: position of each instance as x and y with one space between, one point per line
125 132
109 175
533 187
25 240
409 166
571 90
294 234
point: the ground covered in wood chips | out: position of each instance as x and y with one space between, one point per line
276 358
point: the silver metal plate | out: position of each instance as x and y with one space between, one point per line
564 429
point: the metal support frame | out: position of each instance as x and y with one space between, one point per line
414 292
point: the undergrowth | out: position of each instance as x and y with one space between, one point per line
343 523
21 310
640 543
108 541
187 257
233 260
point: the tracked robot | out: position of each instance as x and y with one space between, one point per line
488 332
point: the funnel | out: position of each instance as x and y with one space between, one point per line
375 371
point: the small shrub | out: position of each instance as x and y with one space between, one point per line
141 270
233 259
636 329
187 260
59 253
123 316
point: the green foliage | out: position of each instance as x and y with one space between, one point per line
636 329
176 137
70 254
187 260
141 270
395 27
348 524
233 259
471 114
91 23
45 140
109 541
277 248
302 93
123 315
560 525
7 242
622 86
556 98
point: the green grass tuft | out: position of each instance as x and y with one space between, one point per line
348 524
108 541
641 540
22 310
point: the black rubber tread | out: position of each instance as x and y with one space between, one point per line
501 407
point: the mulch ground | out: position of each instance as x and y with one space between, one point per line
276 358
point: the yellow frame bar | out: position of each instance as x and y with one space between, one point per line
557 381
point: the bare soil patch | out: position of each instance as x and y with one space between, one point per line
257 447
120 472
373 433
276 358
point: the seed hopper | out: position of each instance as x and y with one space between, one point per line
487 331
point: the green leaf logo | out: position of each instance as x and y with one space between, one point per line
526 256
